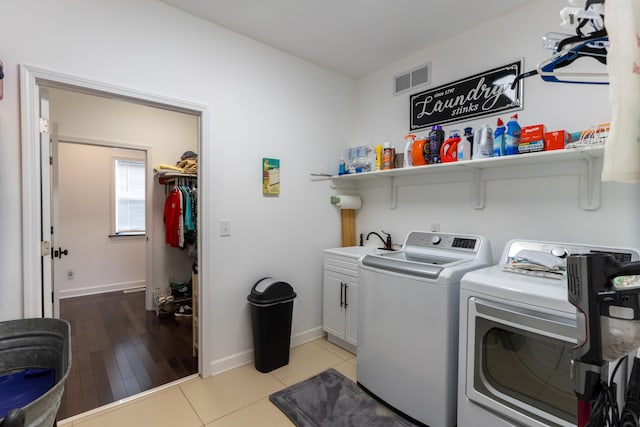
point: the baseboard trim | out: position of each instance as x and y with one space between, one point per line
245 357
102 289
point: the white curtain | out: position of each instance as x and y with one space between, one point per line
622 149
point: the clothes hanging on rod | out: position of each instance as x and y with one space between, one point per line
180 212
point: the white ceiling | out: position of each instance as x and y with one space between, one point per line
353 37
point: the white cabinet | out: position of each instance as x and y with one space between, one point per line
340 295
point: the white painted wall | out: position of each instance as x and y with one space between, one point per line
165 134
100 263
263 103
541 208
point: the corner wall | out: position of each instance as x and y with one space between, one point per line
262 103
525 203
99 263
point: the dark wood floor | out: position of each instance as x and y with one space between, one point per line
119 349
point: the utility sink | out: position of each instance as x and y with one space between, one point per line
354 251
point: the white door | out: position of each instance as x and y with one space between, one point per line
333 304
56 251
46 176
351 303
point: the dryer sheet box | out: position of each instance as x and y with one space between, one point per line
531 139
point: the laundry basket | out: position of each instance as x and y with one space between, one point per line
35 344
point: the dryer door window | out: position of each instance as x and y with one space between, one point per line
529 368
521 370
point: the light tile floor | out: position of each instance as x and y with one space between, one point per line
239 397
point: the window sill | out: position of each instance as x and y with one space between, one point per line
126 235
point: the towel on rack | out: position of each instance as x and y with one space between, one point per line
622 149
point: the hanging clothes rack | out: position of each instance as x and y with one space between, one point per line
593 44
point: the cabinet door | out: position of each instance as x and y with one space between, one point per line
352 312
332 311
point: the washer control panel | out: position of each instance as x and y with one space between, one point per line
423 239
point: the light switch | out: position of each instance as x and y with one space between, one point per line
225 227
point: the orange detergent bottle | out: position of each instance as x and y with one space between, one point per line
420 151
449 148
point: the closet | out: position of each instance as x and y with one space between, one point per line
180 298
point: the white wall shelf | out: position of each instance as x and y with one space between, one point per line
582 161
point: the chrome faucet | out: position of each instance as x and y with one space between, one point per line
386 242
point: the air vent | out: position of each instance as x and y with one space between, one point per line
409 79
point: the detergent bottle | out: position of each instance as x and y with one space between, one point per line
388 159
512 138
483 143
420 150
449 148
436 138
408 148
465 145
498 139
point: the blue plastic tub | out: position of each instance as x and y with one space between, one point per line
42 348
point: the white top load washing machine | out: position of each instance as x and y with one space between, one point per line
408 322
517 331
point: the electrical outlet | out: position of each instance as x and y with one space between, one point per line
71 274
225 227
435 227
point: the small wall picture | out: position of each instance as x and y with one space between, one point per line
270 177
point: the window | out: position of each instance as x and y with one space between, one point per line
129 197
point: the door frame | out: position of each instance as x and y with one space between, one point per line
31 80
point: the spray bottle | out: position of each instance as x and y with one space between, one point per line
465 145
512 138
408 147
498 139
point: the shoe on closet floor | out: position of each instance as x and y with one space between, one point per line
166 310
180 290
184 311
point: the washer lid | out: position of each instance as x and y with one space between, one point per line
397 262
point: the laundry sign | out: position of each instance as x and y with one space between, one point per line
480 95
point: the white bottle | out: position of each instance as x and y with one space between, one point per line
483 143
408 157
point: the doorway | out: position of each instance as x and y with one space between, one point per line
37 285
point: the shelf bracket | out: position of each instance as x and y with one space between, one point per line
477 190
590 185
393 193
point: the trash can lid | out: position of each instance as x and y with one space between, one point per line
270 291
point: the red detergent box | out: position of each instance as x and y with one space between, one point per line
556 140
531 139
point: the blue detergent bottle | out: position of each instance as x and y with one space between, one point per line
498 139
512 138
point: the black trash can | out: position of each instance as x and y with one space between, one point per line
271 312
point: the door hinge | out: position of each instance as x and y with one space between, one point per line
44 125
52 300
45 248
